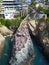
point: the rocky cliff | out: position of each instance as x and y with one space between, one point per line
4 30
22 49
40 29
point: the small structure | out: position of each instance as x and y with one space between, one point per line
37 14
46 5
24 10
10 8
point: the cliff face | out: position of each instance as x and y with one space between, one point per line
32 25
4 30
22 50
41 31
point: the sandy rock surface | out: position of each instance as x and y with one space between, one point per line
5 31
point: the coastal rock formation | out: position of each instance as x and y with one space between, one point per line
5 31
40 30
2 43
32 26
43 31
22 49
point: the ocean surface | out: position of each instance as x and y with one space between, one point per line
38 60
5 55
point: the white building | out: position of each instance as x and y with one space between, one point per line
10 8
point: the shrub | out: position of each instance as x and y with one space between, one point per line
44 10
34 3
17 23
47 19
23 17
2 21
13 23
40 8
17 15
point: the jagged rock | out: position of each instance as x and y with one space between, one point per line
32 26
42 34
23 51
43 31
5 31
2 43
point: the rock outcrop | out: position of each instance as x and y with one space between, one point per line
2 43
5 31
22 50
40 30
32 26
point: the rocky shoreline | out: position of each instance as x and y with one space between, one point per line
41 32
22 49
4 32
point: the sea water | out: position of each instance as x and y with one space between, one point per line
38 60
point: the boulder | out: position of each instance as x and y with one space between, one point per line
5 31
32 24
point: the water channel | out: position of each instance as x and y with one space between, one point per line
38 60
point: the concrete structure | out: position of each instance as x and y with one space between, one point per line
24 10
46 5
10 8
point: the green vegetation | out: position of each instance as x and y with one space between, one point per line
23 17
44 10
0 0
34 3
46 0
47 19
13 23
17 16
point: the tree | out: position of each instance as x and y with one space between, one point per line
46 0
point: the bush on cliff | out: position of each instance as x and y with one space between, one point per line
44 10
13 23
23 17
17 16
34 3
2 21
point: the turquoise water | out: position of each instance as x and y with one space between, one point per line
5 54
38 60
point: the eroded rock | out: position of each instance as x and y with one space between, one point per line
5 31
41 31
23 51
